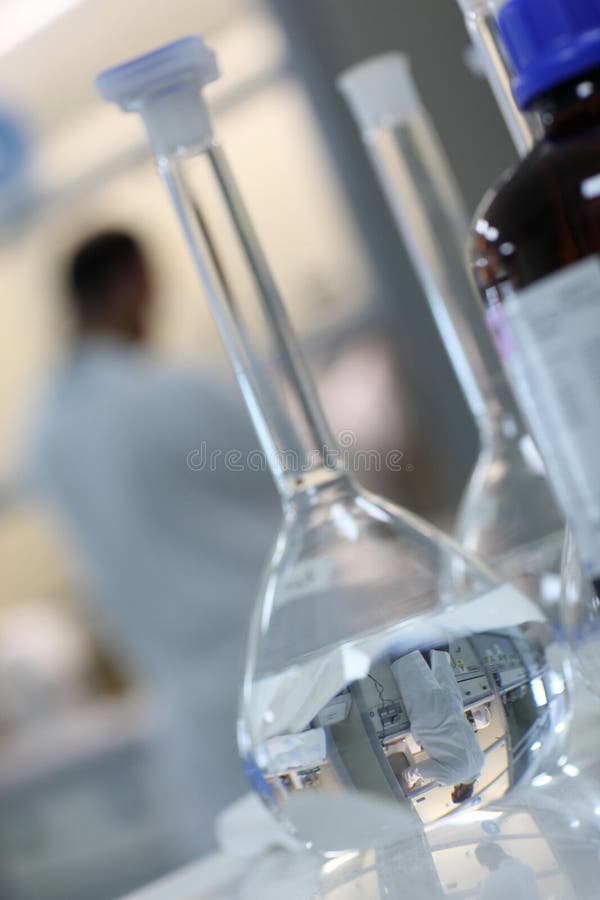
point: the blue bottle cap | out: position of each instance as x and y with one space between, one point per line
549 42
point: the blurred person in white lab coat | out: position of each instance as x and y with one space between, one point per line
435 710
508 878
130 454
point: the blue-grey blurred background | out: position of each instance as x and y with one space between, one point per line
82 804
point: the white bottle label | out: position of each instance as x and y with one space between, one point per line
554 362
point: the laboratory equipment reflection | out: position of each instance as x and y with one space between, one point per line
533 845
533 850
431 729
508 515
352 581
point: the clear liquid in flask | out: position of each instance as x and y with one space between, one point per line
391 681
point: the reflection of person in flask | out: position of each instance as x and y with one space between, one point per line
509 877
434 706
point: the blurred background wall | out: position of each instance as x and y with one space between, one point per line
341 267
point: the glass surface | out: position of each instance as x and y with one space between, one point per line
530 850
541 842
508 517
534 849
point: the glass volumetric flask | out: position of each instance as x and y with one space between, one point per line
482 24
508 515
390 678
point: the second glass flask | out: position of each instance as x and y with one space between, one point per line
390 678
507 515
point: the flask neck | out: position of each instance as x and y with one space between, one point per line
572 107
427 206
253 324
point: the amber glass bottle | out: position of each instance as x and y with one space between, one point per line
535 252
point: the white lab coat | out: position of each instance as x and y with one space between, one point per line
174 553
435 710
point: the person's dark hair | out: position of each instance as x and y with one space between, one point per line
95 267
490 855
462 792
